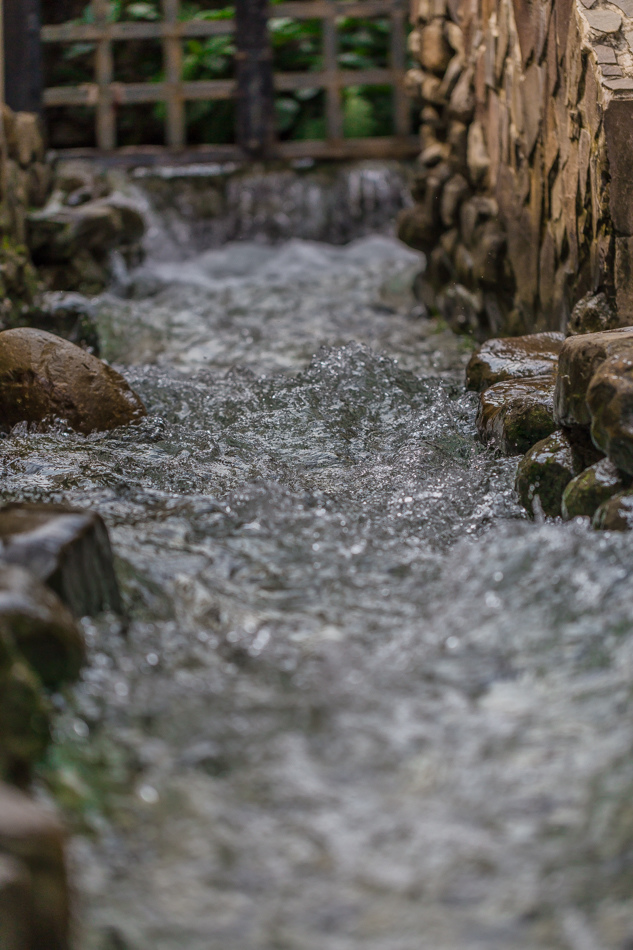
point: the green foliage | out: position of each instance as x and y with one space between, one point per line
297 47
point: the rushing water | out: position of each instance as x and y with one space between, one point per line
359 701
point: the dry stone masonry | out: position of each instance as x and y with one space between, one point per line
524 200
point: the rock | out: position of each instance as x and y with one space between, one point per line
29 143
580 357
69 315
546 470
24 716
477 154
520 357
435 52
610 402
67 549
16 910
604 21
43 377
587 491
515 414
616 514
34 839
42 629
592 314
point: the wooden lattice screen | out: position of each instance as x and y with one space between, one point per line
105 95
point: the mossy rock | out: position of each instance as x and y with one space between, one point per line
616 514
515 414
595 485
24 717
544 473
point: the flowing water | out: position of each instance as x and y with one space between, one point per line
358 701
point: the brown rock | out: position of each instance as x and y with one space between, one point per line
16 909
579 359
610 402
455 190
618 127
587 491
67 549
42 629
519 357
29 144
592 314
544 473
515 414
43 377
435 52
33 837
24 716
616 514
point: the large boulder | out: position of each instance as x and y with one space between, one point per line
580 358
33 840
610 402
43 377
517 357
515 414
42 629
67 549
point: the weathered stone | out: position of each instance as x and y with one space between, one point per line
592 314
462 101
69 315
43 377
515 414
605 54
618 125
616 514
24 715
604 20
67 549
42 629
579 359
544 473
587 491
477 154
455 190
514 358
29 144
418 228
33 837
610 402
16 909
435 52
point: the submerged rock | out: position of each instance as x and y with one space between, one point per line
40 626
67 549
595 485
616 514
546 470
610 402
517 357
580 358
34 841
515 414
43 377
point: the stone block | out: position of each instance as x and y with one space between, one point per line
435 51
580 357
618 125
515 414
587 491
67 549
534 355
547 469
610 402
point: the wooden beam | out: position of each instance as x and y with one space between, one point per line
255 129
104 71
172 52
22 55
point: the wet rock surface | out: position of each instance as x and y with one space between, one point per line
43 377
592 314
42 630
544 473
67 549
360 698
521 357
610 402
616 514
586 492
69 315
515 414
579 359
24 715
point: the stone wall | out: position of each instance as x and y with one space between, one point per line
524 202
25 181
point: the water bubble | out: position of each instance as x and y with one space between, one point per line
152 659
148 794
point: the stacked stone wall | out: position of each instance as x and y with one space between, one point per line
524 201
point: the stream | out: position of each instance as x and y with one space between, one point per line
359 702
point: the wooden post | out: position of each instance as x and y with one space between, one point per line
22 55
172 53
333 107
104 71
255 81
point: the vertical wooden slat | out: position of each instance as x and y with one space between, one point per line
22 55
255 81
172 47
401 102
333 111
104 70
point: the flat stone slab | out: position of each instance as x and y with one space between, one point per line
579 359
515 414
32 836
519 357
67 549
